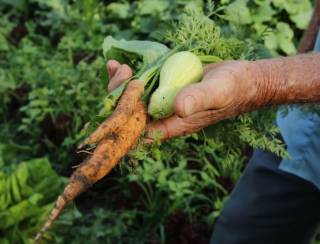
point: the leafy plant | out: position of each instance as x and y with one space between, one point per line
277 20
27 191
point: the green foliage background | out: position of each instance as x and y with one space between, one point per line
51 84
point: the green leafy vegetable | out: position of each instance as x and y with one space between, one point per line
148 50
27 192
147 55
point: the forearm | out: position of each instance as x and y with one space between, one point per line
288 80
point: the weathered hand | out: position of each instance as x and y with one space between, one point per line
226 90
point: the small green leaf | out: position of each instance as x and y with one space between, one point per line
153 7
302 18
238 12
281 37
148 50
264 12
120 10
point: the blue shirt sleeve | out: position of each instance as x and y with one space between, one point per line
317 46
301 133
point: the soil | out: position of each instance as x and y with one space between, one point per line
180 230
56 130
18 33
79 56
18 96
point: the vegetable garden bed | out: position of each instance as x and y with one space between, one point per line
53 81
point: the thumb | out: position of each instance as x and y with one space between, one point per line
167 128
195 98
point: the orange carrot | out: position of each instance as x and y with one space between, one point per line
106 155
124 110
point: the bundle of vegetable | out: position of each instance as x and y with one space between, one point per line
122 128
160 74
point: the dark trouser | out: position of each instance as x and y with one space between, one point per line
268 206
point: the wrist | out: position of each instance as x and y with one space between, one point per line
267 81
287 80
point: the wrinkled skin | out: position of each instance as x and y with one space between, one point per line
231 88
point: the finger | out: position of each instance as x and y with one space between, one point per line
173 126
168 128
123 73
176 126
210 93
112 66
164 128
209 67
193 99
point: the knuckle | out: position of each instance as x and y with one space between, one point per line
126 69
196 91
203 119
112 62
182 127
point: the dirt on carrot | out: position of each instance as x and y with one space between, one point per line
105 156
124 110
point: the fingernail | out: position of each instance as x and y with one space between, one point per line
189 105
